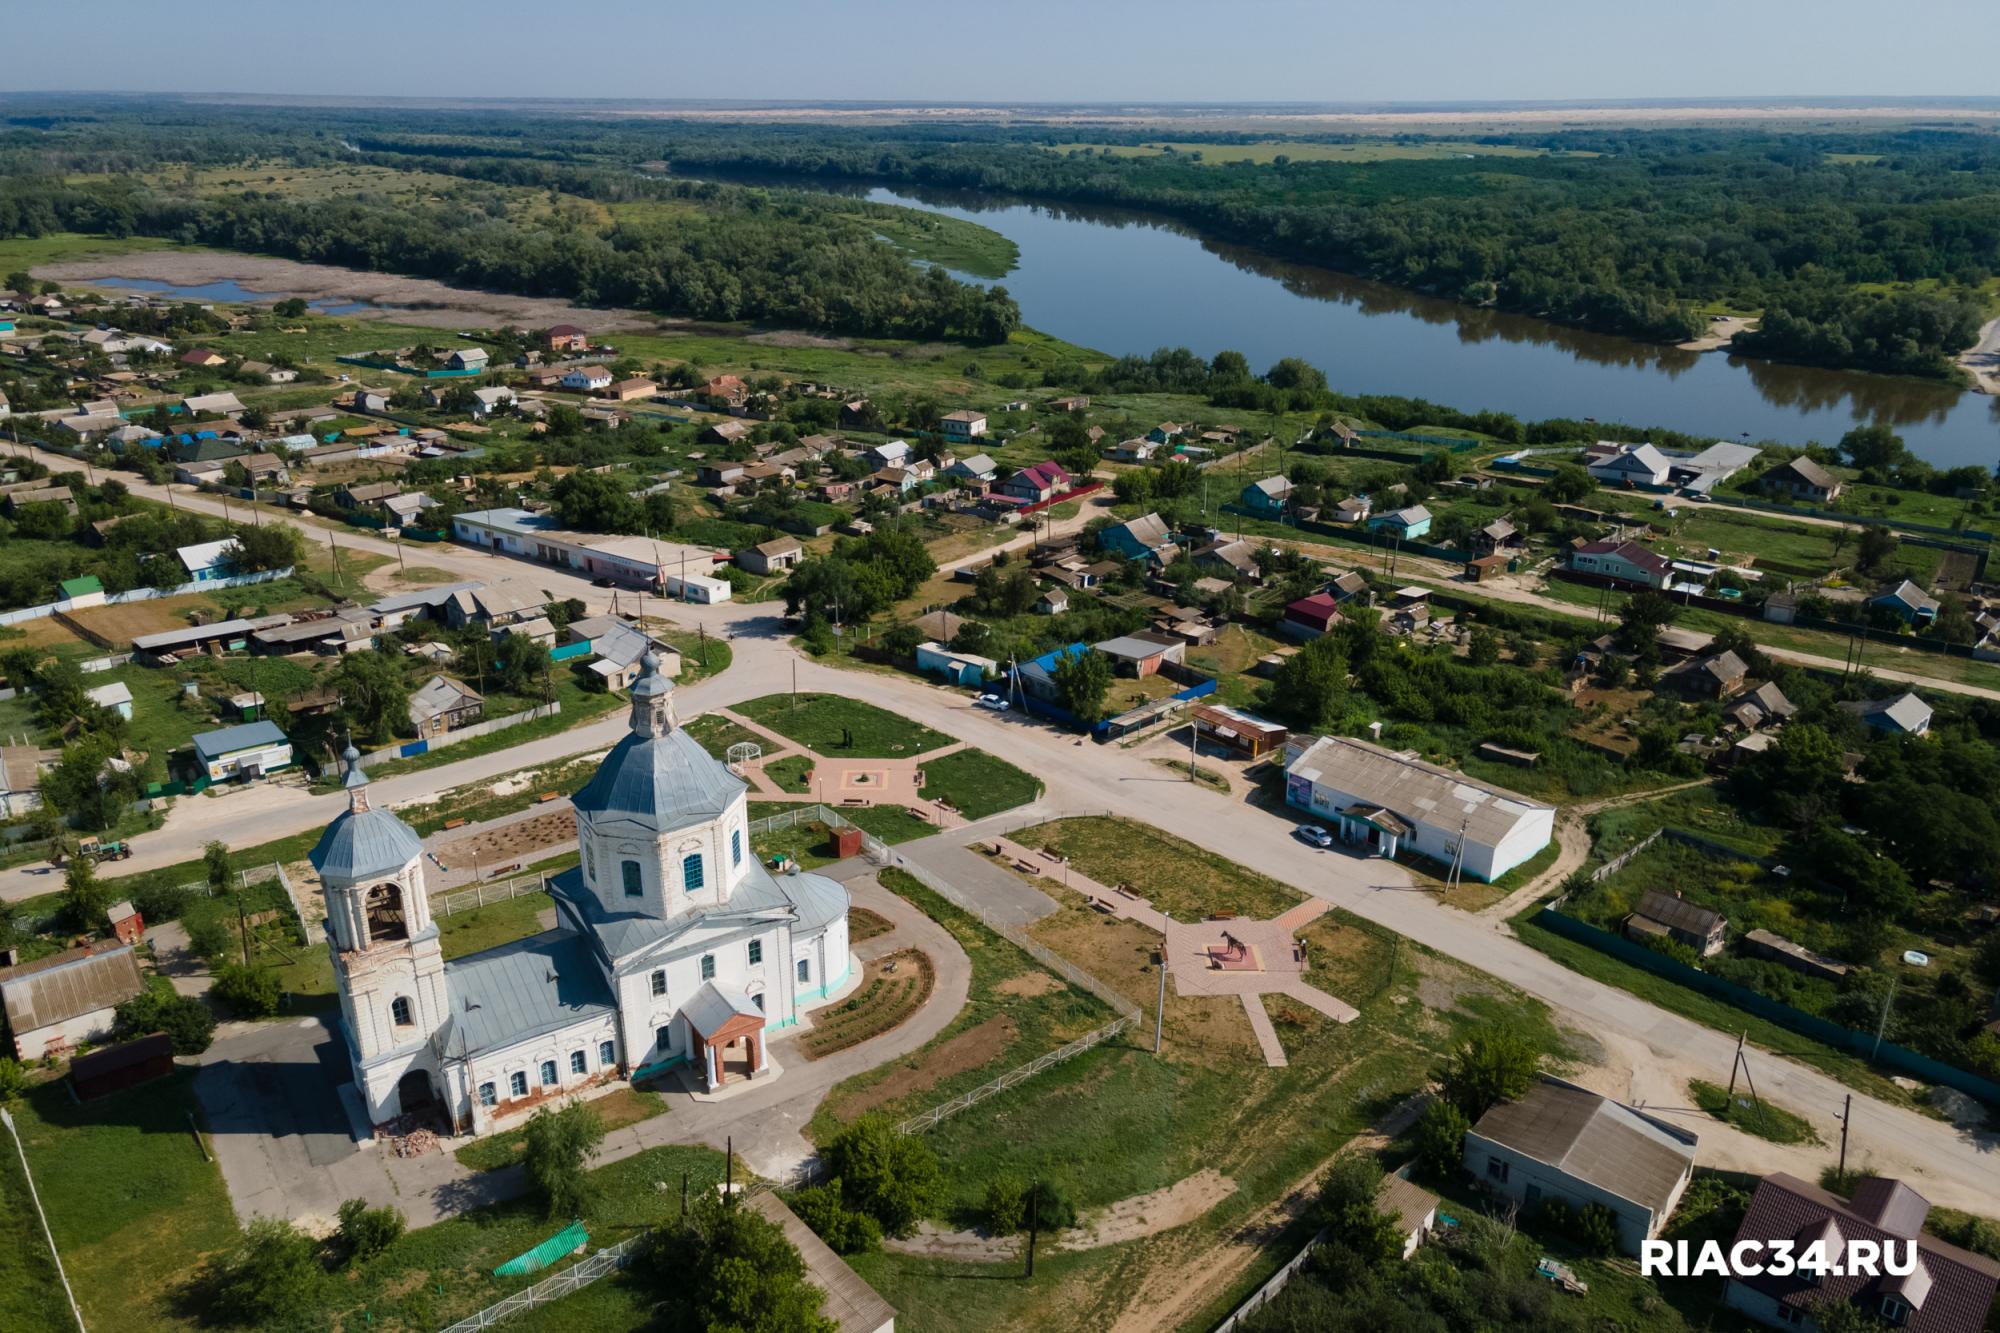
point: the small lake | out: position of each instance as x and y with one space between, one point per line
1123 282
232 292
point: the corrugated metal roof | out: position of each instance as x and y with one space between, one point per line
523 990
362 844
228 740
1593 1139
663 782
715 1004
68 985
1420 792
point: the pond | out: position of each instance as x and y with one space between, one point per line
1123 282
232 292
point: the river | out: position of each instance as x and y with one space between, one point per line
1130 282
230 291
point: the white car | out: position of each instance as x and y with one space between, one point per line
1314 834
991 701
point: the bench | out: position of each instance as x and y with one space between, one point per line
548 796
456 823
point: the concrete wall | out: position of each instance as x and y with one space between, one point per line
1636 1223
68 1034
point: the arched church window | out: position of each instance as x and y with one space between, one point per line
383 907
634 887
805 969
399 1012
548 1073
488 1095
517 1083
691 871
607 1053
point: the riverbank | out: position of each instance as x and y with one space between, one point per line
268 280
1981 361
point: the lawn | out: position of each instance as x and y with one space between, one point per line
830 724
717 733
491 926
977 784
1751 1114
31 1294
791 773
1175 876
810 841
130 1196
625 1106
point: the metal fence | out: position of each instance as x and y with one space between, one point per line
574 1278
924 1120
479 895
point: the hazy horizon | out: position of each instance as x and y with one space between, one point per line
1030 52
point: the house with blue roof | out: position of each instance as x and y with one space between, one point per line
674 946
242 753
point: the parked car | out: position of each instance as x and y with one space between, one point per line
1313 834
604 583
991 701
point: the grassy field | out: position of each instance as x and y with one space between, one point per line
824 723
1752 1116
934 238
977 784
31 1294
133 1202
791 772
1176 876
491 926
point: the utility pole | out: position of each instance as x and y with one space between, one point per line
1882 1025
729 1169
1736 1064
1160 1008
1034 1221
1846 1114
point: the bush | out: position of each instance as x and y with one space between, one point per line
845 1230
1050 1207
13 1080
1005 1206
1597 1229
270 1280
892 1177
182 1017
365 1231
209 938
556 1147
252 992
1440 1139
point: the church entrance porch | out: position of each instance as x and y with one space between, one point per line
727 1035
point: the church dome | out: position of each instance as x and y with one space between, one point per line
363 843
658 775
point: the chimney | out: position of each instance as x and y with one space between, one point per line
1375 730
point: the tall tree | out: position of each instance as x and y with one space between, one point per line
557 1146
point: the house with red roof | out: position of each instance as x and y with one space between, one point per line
1627 562
1945 1290
1310 617
568 338
1032 485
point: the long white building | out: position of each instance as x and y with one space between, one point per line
673 945
1396 802
673 569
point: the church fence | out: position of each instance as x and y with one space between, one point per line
574 1278
479 895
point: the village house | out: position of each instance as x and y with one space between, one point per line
1764 706
1801 479
567 338
962 425
1630 465
1716 677
498 398
1233 558
58 1004
1032 485
1624 562
1268 498
207 561
619 650
1142 654
1561 1142
1143 538
772 557
728 390
1670 916
365 495
955 668
442 704
632 390
1498 537
249 751
1904 715
1075 402
368 400
1950 1289
1241 734
1907 603
586 379
213 405
1354 509
1052 602
977 467
1310 617
1394 802
1409 524
202 358
1133 451
467 358
1166 432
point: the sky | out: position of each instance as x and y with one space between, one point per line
1424 51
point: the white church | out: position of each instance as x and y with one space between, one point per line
673 945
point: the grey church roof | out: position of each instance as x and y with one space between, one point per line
813 901
361 844
664 782
521 991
